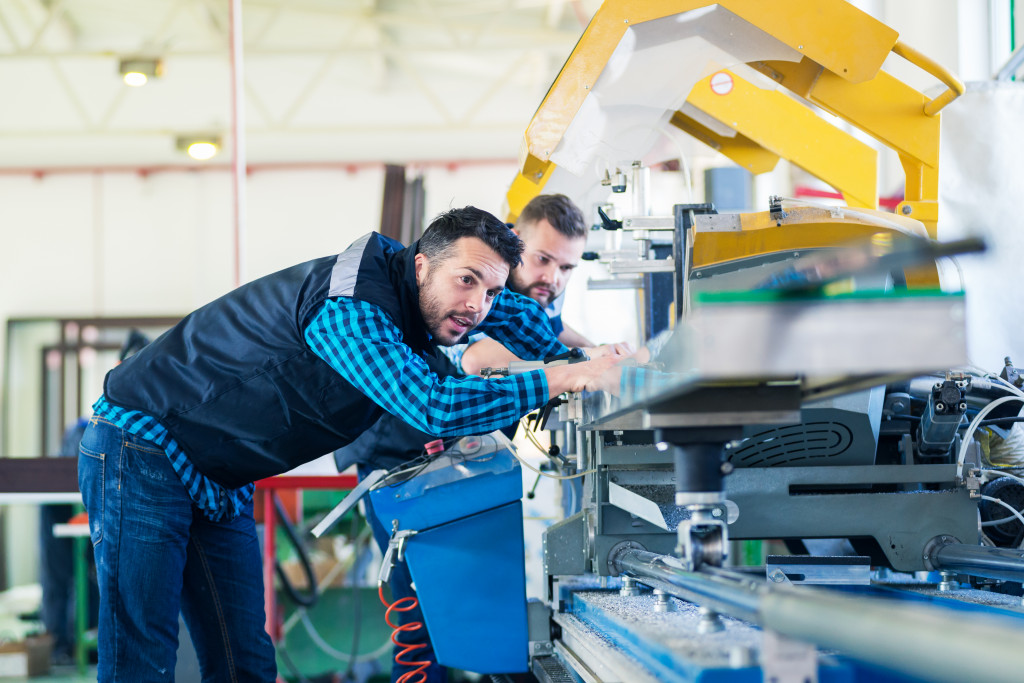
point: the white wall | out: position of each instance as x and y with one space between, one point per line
125 244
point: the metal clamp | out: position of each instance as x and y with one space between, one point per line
395 552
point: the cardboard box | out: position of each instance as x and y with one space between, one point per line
26 658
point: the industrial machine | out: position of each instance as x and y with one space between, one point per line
803 417
807 380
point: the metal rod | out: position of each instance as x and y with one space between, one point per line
1012 65
976 560
929 642
237 137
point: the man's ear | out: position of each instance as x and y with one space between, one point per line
422 266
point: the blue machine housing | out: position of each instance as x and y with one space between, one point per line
466 559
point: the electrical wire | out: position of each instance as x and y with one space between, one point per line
997 421
1013 389
318 639
286 658
301 614
357 606
1006 505
404 471
532 438
973 427
310 598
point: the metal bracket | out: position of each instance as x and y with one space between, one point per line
784 660
348 502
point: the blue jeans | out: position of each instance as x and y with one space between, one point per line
401 587
156 555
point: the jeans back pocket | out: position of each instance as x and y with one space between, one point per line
91 470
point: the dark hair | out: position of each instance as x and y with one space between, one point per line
439 239
560 212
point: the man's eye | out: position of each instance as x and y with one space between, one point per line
542 259
491 294
466 280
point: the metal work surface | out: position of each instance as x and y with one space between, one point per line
594 657
671 644
921 640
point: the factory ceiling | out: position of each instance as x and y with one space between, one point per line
324 80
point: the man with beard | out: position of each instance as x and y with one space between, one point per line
554 234
271 375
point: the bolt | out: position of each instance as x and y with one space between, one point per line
709 621
741 657
777 576
698 275
906 210
662 601
629 586
727 468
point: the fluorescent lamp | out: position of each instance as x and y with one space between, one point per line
136 71
200 147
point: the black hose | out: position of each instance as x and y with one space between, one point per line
356 603
310 598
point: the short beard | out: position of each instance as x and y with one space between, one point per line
434 315
517 287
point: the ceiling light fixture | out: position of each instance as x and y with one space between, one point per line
199 147
136 71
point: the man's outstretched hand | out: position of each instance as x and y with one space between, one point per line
599 374
619 349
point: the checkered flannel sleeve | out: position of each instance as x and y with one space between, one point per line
520 324
364 346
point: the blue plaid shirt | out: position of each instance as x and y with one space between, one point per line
216 502
365 347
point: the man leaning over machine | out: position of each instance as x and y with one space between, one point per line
554 235
271 375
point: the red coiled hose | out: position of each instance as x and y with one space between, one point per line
404 605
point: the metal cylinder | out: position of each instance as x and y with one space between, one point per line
698 468
977 560
920 640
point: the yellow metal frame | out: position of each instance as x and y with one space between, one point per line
779 124
841 75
